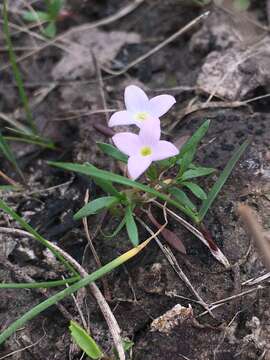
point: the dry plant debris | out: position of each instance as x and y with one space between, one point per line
78 61
172 318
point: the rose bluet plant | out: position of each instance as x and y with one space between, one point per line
155 169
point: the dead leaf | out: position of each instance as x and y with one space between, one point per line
78 60
169 236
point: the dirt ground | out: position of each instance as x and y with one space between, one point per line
225 55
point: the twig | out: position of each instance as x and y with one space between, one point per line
93 250
257 280
216 253
104 307
256 231
8 179
173 262
219 303
160 46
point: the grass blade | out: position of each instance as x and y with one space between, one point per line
70 290
112 151
38 285
37 236
16 71
131 226
221 180
6 150
106 175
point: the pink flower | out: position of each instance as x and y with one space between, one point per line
144 148
140 108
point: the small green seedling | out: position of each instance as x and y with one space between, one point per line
49 16
85 342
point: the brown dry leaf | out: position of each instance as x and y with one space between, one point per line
78 61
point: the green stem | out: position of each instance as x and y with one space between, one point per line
38 285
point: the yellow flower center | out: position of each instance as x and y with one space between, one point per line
141 116
146 151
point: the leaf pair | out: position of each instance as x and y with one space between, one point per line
50 16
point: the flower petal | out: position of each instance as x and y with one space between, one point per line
150 131
160 104
137 165
121 118
128 143
164 150
136 99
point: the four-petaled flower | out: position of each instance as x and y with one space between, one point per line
139 109
144 148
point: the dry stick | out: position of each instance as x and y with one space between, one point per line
256 231
217 253
161 45
21 276
104 307
173 262
14 123
221 302
8 179
257 280
106 21
93 250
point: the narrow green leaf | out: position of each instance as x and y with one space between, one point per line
195 189
112 151
35 16
11 329
222 179
189 149
116 231
194 173
38 285
9 187
28 140
85 342
16 71
95 206
50 30
37 236
182 198
106 175
7 152
131 227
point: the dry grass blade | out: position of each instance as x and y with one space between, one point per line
216 252
256 231
173 262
